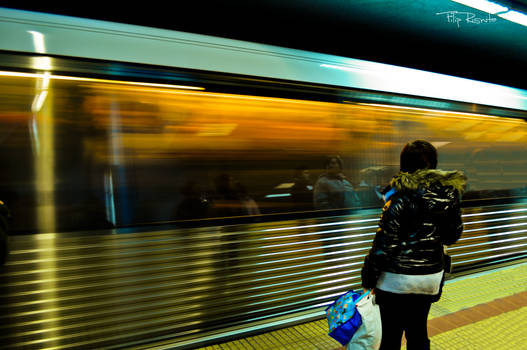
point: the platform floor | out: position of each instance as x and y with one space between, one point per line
483 311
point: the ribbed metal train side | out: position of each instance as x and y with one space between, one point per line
110 290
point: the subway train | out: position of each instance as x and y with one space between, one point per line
161 183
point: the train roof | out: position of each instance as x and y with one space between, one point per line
48 34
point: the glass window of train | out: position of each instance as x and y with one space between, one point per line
18 145
97 154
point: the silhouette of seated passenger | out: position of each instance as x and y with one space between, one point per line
249 206
333 190
232 199
302 190
194 204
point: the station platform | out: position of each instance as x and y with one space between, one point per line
480 311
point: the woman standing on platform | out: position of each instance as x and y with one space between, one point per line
406 262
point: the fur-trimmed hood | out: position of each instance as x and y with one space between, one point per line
428 179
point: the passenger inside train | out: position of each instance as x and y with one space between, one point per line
302 189
332 189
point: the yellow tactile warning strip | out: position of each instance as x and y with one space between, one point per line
482 311
480 288
312 335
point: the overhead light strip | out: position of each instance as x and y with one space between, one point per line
484 5
515 16
496 9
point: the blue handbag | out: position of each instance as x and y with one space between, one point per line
343 317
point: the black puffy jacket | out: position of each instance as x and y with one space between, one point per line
417 220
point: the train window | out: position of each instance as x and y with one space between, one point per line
84 153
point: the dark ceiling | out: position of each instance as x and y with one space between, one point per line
414 34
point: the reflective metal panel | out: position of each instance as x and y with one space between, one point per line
105 290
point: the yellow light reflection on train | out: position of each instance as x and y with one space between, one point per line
189 121
94 80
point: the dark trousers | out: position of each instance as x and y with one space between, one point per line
404 313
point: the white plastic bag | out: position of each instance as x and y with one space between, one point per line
369 334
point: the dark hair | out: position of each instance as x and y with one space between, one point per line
329 158
417 155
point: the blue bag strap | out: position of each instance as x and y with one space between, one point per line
350 291
388 194
362 296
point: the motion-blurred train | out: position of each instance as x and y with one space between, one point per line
152 179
